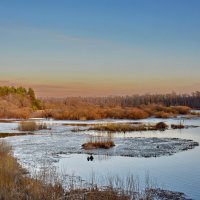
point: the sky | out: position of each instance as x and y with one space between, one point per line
100 47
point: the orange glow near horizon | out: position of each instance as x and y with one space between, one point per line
107 87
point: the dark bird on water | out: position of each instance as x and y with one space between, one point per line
91 157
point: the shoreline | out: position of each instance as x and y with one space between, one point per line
15 183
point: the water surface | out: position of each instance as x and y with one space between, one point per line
178 172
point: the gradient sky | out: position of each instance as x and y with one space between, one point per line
100 47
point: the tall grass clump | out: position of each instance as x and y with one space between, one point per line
98 143
161 126
31 126
15 185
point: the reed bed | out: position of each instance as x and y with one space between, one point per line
31 126
127 127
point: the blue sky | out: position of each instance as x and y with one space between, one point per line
100 47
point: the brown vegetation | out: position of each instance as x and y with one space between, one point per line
16 185
177 126
98 145
161 126
18 102
84 111
78 124
161 111
162 114
23 104
118 127
128 127
31 126
3 135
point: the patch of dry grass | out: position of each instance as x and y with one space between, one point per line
161 126
113 127
183 110
164 115
78 124
14 185
98 145
31 126
177 126
195 113
127 127
3 135
93 112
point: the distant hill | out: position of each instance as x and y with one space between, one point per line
18 102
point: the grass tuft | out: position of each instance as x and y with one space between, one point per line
31 126
98 145
161 126
177 126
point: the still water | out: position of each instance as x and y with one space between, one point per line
179 172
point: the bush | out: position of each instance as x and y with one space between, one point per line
162 114
27 126
161 126
183 110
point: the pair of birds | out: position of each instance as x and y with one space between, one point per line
90 158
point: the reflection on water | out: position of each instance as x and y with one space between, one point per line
91 157
97 157
102 157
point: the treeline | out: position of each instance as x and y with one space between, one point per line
21 92
18 102
79 109
6 90
173 99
